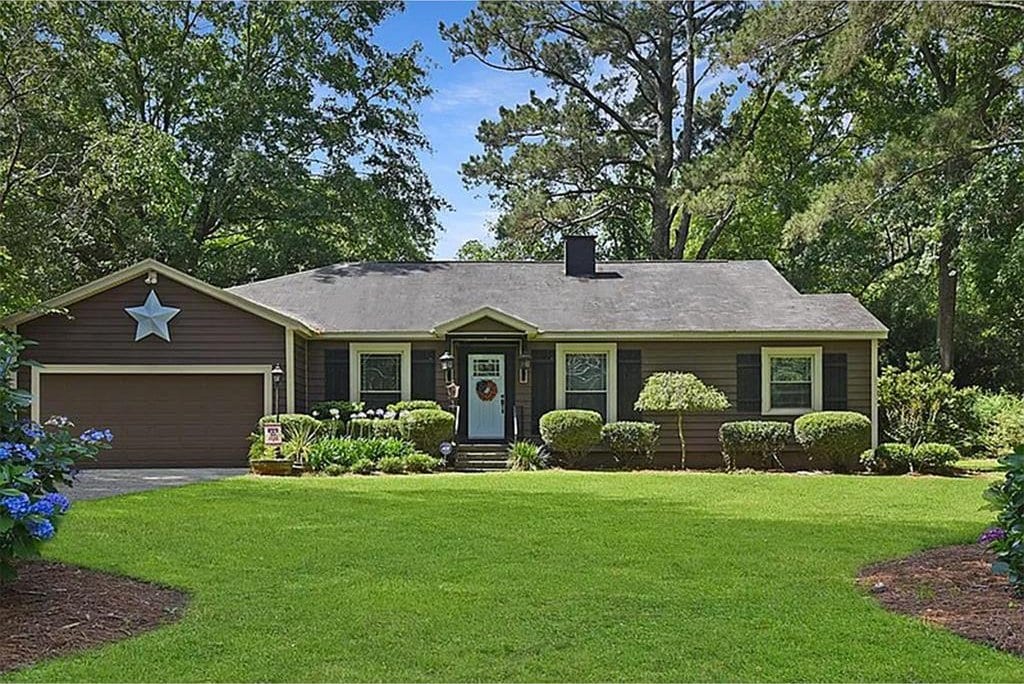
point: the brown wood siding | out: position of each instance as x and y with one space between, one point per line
207 331
486 325
162 421
715 363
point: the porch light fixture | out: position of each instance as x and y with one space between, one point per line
447 364
276 372
524 367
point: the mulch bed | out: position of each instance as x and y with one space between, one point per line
54 609
952 587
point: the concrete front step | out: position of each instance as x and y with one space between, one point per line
481 457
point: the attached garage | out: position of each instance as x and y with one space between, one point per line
161 418
178 370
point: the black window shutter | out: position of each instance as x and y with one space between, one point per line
748 383
833 386
543 391
423 374
629 380
336 374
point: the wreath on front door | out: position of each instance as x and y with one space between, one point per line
486 390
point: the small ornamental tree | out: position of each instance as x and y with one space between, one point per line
34 460
680 393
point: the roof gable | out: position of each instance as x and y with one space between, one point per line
485 319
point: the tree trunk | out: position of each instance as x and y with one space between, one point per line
686 146
947 281
664 148
682 441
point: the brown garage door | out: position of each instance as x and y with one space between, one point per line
158 420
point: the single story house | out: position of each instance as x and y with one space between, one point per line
180 370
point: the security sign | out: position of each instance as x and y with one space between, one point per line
272 434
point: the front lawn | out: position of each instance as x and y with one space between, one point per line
531 576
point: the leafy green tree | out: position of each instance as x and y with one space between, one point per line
234 140
679 393
623 144
932 93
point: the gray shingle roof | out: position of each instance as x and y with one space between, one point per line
638 297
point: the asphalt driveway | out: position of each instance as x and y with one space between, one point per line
97 484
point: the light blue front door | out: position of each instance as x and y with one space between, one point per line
486 396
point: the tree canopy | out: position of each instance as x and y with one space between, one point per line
234 140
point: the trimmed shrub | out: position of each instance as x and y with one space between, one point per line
632 443
427 428
421 463
763 440
374 428
680 393
393 465
335 410
335 470
400 407
933 457
363 466
888 458
525 456
571 433
834 439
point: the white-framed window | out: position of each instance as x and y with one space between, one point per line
790 380
380 373
585 377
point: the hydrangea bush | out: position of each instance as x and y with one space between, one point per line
34 461
1006 538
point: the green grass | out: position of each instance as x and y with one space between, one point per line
529 576
980 465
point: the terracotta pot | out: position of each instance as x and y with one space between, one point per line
277 466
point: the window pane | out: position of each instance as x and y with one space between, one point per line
590 401
379 400
791 369
586 372
380 372
791 395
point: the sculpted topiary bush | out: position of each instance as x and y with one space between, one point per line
932 457
763 440
680 393
834 439
571 433
34 460
888 458
427 428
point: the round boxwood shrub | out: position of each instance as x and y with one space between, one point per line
888 458
335 470
393 465
421 463
427 428
762 440
930 457
632 443
291 422
363 466
834 439
571 433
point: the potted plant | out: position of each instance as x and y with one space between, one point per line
266 460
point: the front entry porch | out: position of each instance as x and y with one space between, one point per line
486 373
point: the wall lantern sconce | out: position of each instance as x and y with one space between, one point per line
447 364
524 367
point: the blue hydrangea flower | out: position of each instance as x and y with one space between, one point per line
17 506
40 529
94 436
32 430
6 450
59 501
42 507
25 452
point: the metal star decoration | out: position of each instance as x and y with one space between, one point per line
152 318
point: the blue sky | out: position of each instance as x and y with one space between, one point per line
464 93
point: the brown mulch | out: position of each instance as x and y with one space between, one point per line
54 609
952 587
